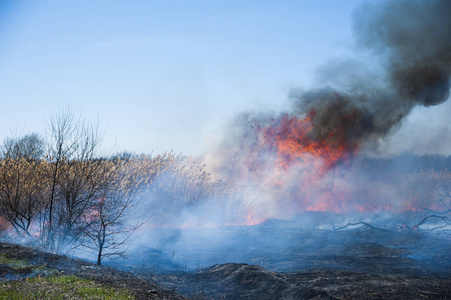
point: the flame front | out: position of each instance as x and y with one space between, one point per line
299 170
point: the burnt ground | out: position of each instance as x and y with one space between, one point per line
242 281
38 263
283 249
282 262
266 262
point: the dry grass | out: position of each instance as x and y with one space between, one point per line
60 287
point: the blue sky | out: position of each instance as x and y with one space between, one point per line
161 75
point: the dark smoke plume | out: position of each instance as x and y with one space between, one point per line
416 37
412 39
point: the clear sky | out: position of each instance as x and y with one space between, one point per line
161 75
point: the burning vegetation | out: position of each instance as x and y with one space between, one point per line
309 157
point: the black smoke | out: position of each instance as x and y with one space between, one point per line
410 39
415 37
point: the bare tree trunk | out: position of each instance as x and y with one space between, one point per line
52 197
102 238
99 255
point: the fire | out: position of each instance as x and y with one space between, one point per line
306 170
294 141
281 168
250 219
301 161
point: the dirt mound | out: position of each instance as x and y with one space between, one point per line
32 263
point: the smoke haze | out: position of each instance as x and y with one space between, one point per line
311 164
303 158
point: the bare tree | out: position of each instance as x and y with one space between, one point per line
73 148
30 147
112 219
21 184
439 216
73 196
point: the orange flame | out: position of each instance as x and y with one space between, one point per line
302 175
294 140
